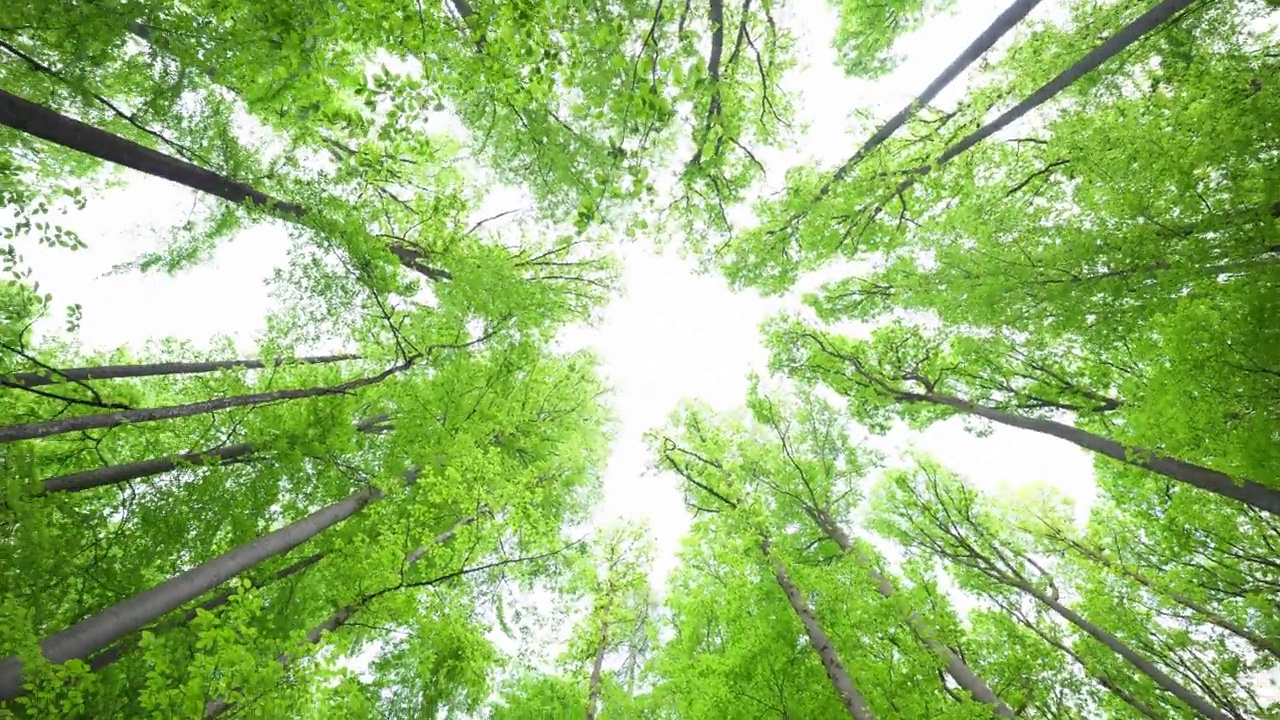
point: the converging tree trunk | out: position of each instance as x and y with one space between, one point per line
114 372
117 651
1246 491
976 49
1103 680
50 125
1262 644
217 706
48 428
957 668
595 682
1111 47
1119 647
115 474
852 700
96 632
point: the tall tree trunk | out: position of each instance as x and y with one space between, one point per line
1261 644
129 616
217 706
1111 47
1119 647
115 652
1218 483
960 671
113 372
1106 682
976 49
852 700
597 666
88 422
115 474
47 124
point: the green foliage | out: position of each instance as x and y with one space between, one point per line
1103 272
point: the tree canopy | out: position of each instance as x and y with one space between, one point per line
387 503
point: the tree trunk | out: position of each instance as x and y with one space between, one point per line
112 372
129 616
115 652
113 419
115 474
1113 45
1106 682
1120 648
70 133
55 127
980 45
1260 643
960 671
850 698
597 666
217 706
1218 483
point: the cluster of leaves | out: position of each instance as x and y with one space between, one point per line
187 534
1101 274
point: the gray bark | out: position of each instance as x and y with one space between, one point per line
29 431
960 671
852 700
1119 647
96 632
1218 483
115 652
48 124
114 474
113 372
217 706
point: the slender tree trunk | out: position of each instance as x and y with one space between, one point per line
1218 483
1106 682
976 49
55 127
98 631
852 700
1111 47
112 372
597 666
1260 643
115 652
960 671
217 706
112 419
115 474
1119 647
70 133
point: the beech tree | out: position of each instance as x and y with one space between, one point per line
934 512
367 509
